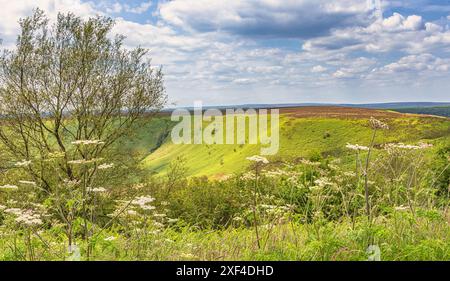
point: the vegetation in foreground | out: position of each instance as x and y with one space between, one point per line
70 188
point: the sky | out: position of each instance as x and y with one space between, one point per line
277 51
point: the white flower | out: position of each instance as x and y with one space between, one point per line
377 124
105 166
158 224
84 161
71 183
258 159
147 207
98 189
87 142
56 154
356 147
307 162
142 202
23 163
27 217
159 215
9 186
110 238
27 182
401 208
408 146
323 182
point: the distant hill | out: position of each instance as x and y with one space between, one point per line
436 110
389 105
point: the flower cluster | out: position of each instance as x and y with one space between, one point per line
84 161
24 182
143 201
9 186
105 166
26 217
258 159
356 147
377 124
408 146
23 163
88 142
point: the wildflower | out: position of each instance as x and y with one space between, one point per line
158 224
377 124
9 186
401 208
309 163
187 256
142 202
258 159
323 182
110 238
98 189
172 220
105 166
264 206
407 146
132 212
84 161
71 183
2 207
164 203
27 217
23 163
87 142
56 154
159 215
147 207
248 176
356 147
27 182
350 174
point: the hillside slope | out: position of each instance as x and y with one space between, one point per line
304 132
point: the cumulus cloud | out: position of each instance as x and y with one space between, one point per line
395 33
318 69
290 18
12 11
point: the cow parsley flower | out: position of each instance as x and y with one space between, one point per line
88 142
377 124
9 186
105 166
23 163
258 159
356 147
32 183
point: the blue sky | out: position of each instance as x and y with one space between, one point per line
279 51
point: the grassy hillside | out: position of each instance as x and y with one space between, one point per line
304 133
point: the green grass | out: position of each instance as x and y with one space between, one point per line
299 137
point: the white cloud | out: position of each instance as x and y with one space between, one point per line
12 11
318 69
289 18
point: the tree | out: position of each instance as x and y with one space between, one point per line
68 92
